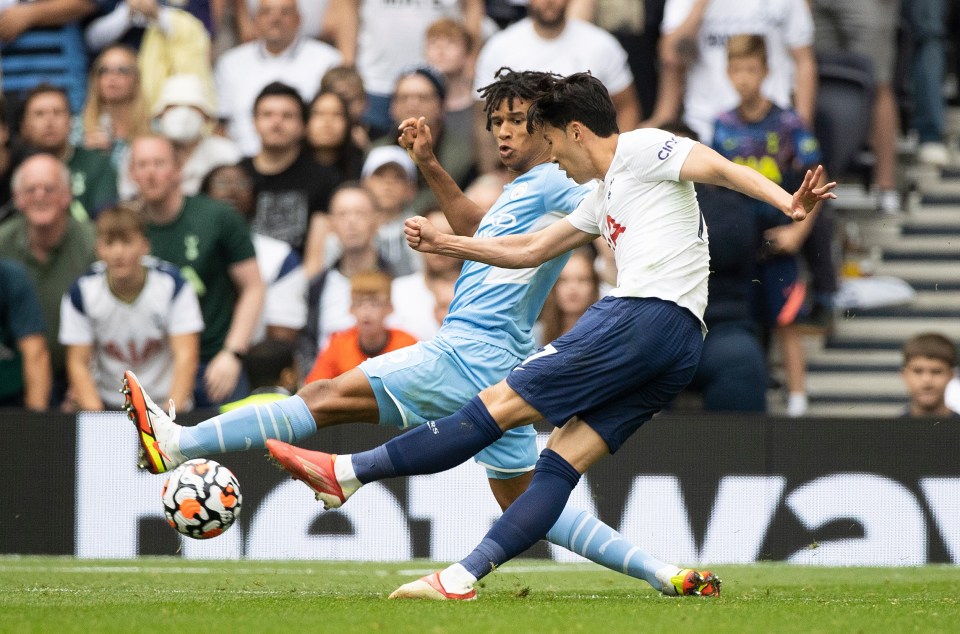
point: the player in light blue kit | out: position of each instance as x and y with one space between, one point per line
485 335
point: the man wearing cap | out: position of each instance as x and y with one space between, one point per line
391 176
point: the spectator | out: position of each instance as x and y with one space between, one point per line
184 113
705 26
420 92
732 375
419 296
870 29
285 304
279 54
370 337
42 43
46 128
636 25
547 41
391 176
211 245
273 370
127 21
449 48
24 358
347 83
54 247
312 18
353 220
928 30
6 165
776 143
329 136
130 311
486 189
116 110
577 288
292 191
929 362
382 37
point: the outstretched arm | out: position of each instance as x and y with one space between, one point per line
463 214
519 251
704 165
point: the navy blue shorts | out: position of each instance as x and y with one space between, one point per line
623 361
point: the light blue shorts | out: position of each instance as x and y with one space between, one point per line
435 378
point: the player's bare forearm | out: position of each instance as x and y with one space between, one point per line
186 360
463 214
510 252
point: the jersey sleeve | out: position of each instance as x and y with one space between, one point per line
286 301
798 30
235 237
76 329
24 315
657 155
614 71
674 14
586 216
185 315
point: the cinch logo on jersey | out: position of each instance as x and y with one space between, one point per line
667 148
615 229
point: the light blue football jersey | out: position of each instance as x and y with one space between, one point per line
499 306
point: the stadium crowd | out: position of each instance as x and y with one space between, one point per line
184 180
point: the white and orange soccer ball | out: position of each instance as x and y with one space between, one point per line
201 498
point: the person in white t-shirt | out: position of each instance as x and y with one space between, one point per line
278 54
129 310
702 85
629 355
547 41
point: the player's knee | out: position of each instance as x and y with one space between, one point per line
319 397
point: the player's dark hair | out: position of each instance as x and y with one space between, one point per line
265 361
510 85
932 345
578 97
280 89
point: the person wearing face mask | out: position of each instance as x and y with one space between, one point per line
184 114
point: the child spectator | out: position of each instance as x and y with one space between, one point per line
273 371
776 143
391 176
929 362
131 311
370 304
448 47
346 82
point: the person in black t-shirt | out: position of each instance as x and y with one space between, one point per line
292 190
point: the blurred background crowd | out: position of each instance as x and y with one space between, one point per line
210 192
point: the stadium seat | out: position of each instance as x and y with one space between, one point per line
843 113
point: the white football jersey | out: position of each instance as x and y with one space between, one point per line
134 336
285 303
651 220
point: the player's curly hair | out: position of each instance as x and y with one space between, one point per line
511 84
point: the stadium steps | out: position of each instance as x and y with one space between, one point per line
854 371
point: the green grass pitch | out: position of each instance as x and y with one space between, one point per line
50 594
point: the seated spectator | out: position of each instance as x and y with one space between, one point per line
577 288
329 137
274 373
370 337
24 358
170 40
449 47
184 113
346 82
353 220
279 54
46 128
285 303
211 245
929 363
42 43
116 110
292 191
391 176
419 297
130 311
420 92
55 247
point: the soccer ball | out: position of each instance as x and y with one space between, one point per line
201 498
